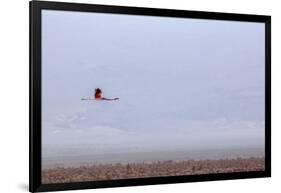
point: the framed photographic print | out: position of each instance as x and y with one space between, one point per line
126 96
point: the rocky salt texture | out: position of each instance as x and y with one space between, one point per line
155 169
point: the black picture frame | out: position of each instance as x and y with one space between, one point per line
36 7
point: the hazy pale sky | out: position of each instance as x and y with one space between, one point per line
182 83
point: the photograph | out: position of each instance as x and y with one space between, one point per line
136 96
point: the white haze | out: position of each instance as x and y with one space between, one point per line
183 83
